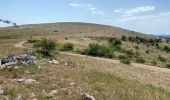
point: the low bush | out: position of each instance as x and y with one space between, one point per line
166 48
67 47
153 62
125 61
130 53
123 38
99 50
168 65
140 60
162 59
32 41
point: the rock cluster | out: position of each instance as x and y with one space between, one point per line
12 60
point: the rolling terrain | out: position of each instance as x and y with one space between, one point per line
105 79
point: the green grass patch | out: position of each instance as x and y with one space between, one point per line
110 87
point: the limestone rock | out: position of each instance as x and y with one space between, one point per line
86 96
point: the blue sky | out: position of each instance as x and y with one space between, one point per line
148 16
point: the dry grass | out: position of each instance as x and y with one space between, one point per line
105 79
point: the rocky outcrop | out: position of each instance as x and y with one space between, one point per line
12 60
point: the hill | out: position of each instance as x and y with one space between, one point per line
114 72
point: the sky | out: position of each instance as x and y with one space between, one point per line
147 16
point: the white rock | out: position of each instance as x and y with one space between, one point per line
86 96
72 83
53 62
32 95
26 81
19 97
30 81
1 90
54 92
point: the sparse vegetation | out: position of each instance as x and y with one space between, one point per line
71 74
103 83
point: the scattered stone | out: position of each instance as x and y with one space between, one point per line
54 92
32 95
53 62
86 96
27 72
26 81
39 67
3 97
30 81
19 97
1 90
71 84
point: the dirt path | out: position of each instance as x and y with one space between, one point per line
143 73
20 45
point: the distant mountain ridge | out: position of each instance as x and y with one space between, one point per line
165 35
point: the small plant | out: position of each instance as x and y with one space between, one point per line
67 47
168 65
166 48
115 43
124 59
140 60
153 62
123 38
10 90
32 41
130 53
162 59
147 51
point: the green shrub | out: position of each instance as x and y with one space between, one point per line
147 51
153 62
123 38
140 60
67 47
10 90
166 48
162 59
99 50
115 43
32 41
168 65
125 61
46 47
130 53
